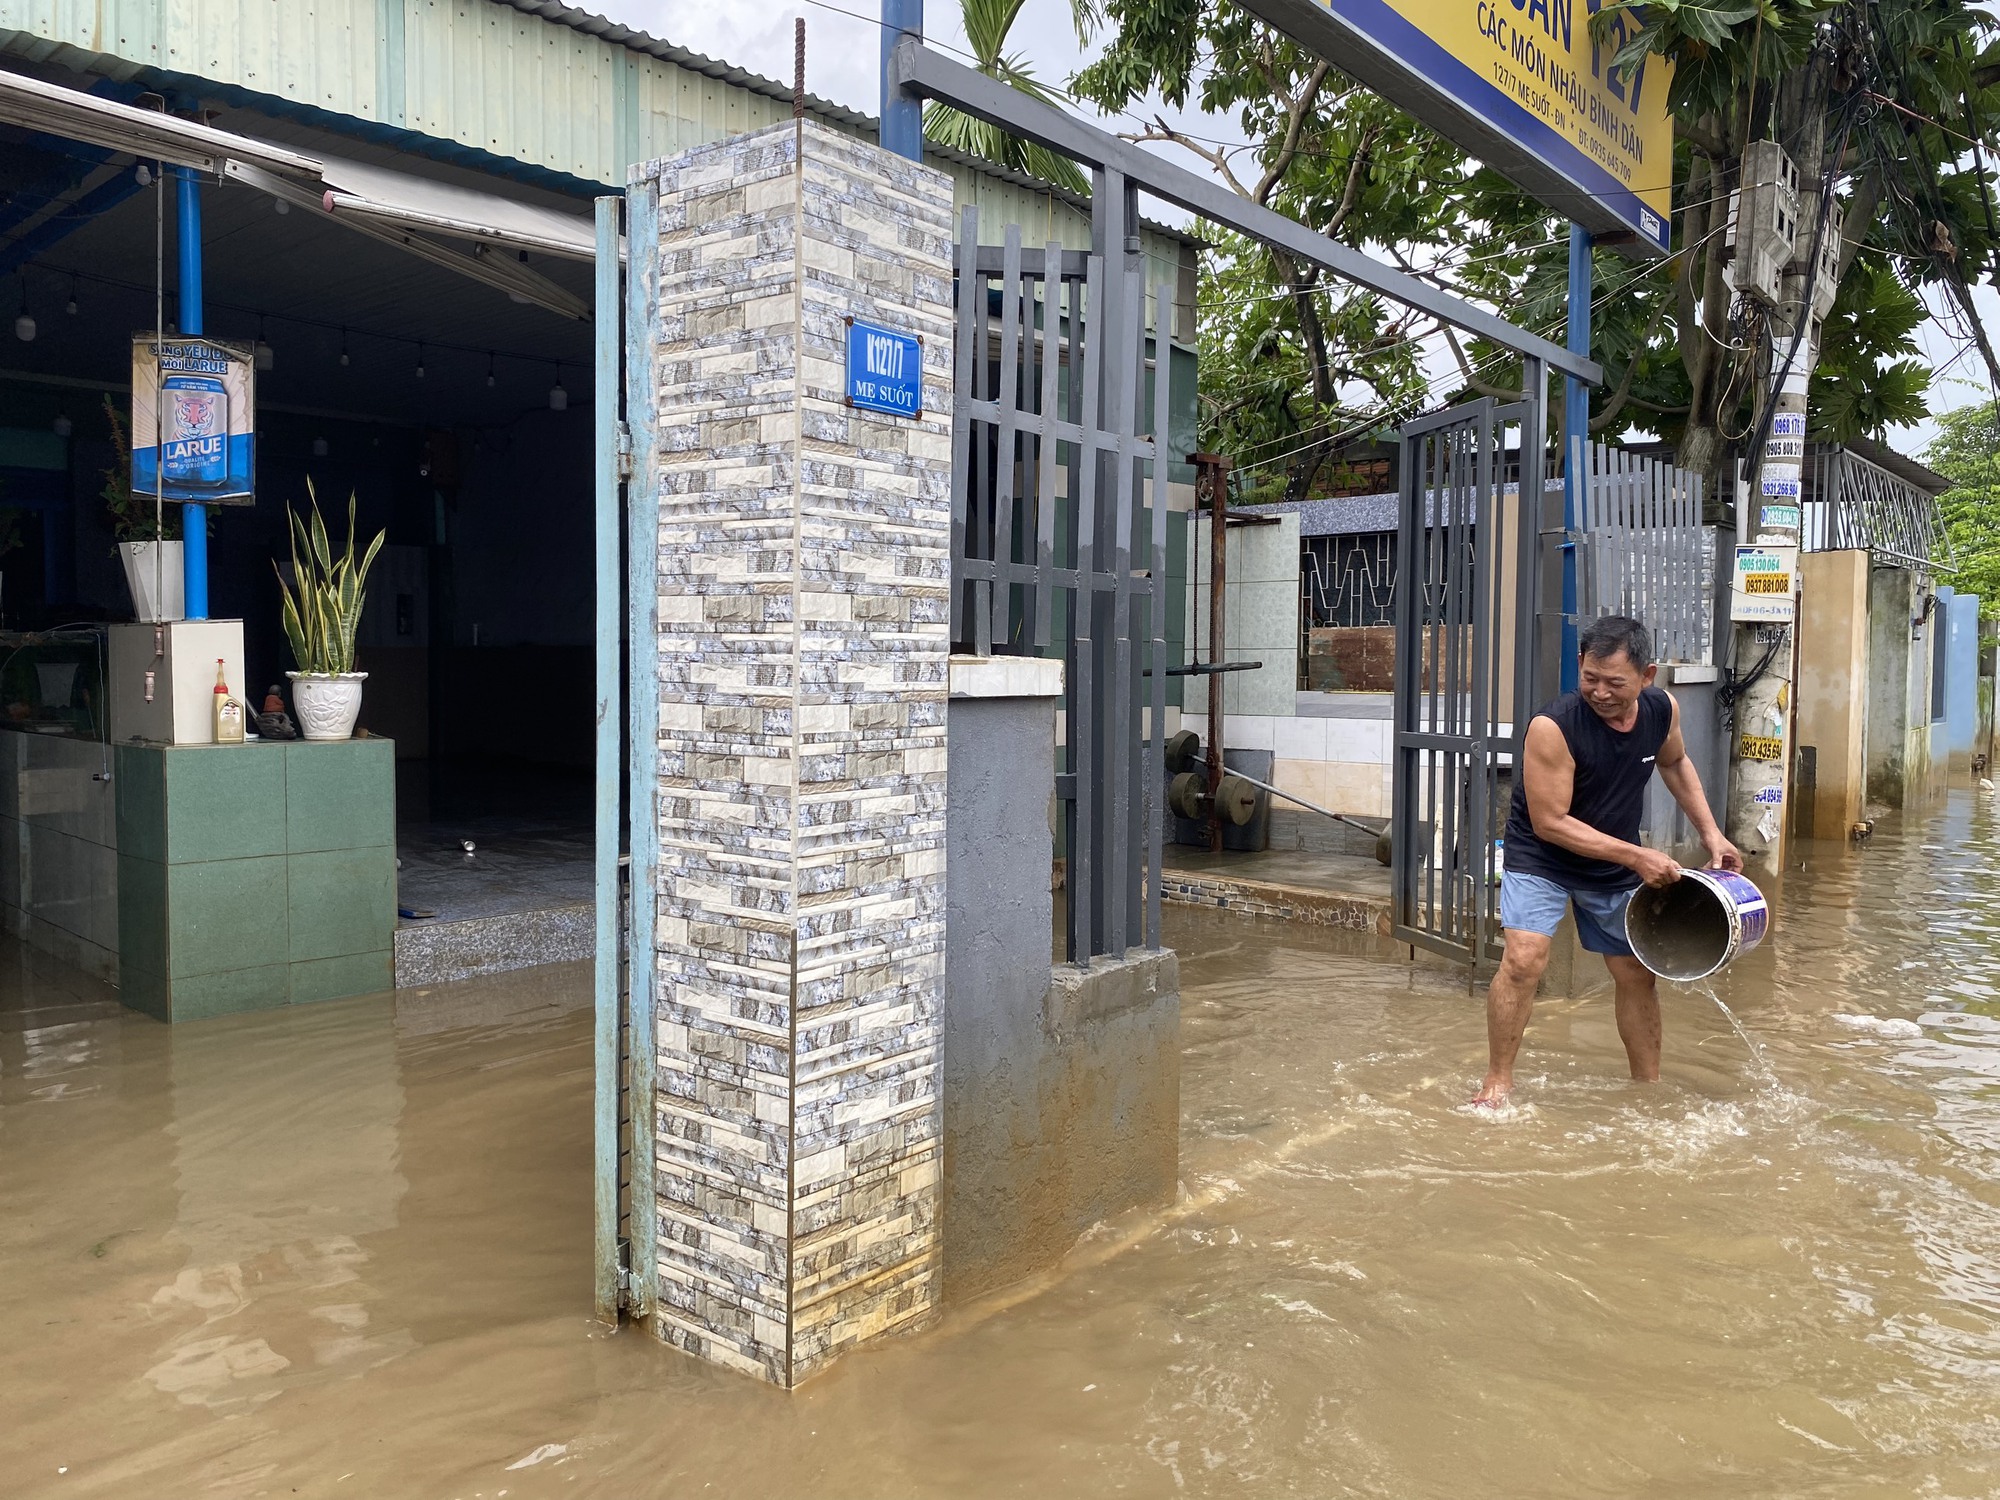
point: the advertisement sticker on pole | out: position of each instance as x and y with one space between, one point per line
194 419
1765 585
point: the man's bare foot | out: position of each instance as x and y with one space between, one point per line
1493 1094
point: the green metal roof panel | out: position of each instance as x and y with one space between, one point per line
528 81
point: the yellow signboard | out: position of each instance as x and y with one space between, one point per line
1521 84
1760 747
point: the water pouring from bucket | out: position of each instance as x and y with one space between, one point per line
1690 929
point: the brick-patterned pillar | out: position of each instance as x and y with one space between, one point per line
803 647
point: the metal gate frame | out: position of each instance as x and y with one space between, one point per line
1059 531
1461 715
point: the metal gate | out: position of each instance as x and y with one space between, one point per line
1465 605
1059 535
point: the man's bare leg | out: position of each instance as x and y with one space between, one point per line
1638 1015
1509 1000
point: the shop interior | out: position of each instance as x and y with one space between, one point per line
456 414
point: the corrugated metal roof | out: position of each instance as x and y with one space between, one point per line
781 93
533 90
459 71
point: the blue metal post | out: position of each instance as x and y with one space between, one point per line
1576 442
902 117
194 518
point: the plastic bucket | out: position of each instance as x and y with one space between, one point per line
1693 927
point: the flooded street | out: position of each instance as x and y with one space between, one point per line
344 1250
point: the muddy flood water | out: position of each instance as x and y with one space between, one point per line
344 1250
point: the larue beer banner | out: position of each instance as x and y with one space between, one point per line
194 420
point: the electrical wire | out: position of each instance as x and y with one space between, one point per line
1391 410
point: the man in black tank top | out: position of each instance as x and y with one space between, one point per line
1573 839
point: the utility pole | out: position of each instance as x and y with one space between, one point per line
1796 274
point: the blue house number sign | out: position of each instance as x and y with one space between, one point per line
885 370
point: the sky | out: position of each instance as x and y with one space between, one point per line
842 64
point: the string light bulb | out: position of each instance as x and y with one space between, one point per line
343 347
262 354
143 175
70 306
420 361
489 369
62 426
24 325
558 397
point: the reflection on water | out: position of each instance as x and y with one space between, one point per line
345 1249
276 1191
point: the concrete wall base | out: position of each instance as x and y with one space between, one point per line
1077 1122
1061 1085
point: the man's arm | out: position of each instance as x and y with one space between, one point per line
1684 781
1550 779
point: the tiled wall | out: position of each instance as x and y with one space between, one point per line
1260 613
253 876
1342 764
803 571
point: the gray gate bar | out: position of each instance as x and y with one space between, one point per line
919 69
1456 686
1020 535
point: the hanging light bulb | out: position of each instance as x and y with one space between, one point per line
420 361
143 175
262 354
62 426
489 369
70 306
343 348
282 206
319 447
24 325
558 397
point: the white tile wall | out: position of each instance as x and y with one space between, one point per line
1300 739
1360 741
1357 739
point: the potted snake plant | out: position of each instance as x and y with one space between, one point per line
321 612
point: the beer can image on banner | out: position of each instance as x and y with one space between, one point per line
196 445
193 420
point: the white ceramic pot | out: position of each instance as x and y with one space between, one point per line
153 572
327 706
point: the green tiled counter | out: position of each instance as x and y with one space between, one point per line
253 876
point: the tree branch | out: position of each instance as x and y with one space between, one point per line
1350 195
1472 381
1216 156
1699 137
1296 110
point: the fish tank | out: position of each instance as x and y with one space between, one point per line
52 682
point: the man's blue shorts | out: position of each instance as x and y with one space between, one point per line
1532 903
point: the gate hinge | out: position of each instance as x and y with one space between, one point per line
624 451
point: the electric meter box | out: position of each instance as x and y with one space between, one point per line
163 679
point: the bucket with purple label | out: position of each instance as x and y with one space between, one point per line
1688 930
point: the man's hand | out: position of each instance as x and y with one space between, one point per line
1655 868
1723 855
